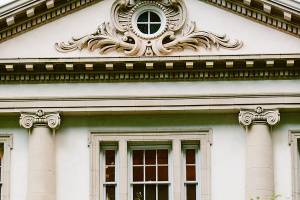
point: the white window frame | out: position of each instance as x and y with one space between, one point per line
148 147
108 146
197 149
7 141
155 136
294 138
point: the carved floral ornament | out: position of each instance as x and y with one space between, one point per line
247 117
147 28
28 120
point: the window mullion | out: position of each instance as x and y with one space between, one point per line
176 145
123 169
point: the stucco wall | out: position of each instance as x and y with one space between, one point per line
229 138
228 151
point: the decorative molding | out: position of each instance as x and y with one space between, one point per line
248 117
239 67
41 16
122 33
28 120
256 13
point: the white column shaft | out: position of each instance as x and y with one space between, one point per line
260 174
41 177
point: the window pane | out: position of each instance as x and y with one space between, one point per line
138 173
110 192
110 174
163 192
110 157
138 157
138 192
150 173
151 192
190 173
143 28
143 17
162 156
162 173
154 28
190 192
190 156
150 157
154 17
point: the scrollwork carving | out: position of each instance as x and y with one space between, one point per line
270 117
122 34
28 120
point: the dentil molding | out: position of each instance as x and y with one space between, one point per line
28 120
270 117
122 34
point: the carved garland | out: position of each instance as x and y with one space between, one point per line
122 35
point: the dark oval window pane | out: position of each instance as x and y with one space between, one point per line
110 174
150 173
143 28
162 173
163 192
110 192
190 192
190 156
154 17
150 157
137 156
110 157
138 192
138 174
154 28
190 173
162 156
143 17
151 192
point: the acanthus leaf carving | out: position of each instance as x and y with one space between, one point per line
121 35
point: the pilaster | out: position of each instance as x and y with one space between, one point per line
41 165
259 158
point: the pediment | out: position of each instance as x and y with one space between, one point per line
197 28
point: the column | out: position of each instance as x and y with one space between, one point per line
41 152
259 158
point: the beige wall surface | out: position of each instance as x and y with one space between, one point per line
228 150
257 38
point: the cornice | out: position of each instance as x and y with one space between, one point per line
239 67
25 17
267 12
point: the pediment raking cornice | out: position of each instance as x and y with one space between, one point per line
24 18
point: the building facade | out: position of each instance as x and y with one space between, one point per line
149 100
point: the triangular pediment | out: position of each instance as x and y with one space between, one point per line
204 23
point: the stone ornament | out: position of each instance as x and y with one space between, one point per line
28 120
131 34
247 117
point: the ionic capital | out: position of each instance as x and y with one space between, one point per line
270 117
28 120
